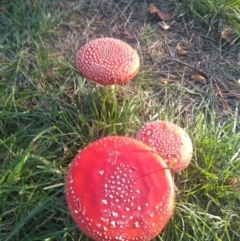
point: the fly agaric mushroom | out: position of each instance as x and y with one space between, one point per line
118 188
169 140
107 61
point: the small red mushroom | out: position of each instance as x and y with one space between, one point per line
170 141
107 61
119 189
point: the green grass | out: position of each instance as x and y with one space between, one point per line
213 9
48 112
219 12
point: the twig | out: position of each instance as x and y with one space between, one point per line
222 99
189 66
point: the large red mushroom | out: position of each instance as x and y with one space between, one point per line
119 189
107 61
169 140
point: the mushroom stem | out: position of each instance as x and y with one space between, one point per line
111 88
111 92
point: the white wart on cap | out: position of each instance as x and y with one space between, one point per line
169 140
107 61
119 189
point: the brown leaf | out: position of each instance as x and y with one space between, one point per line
228 34
166 25
126 32
181 50
198 78
164 81
234 183
66 150
159 13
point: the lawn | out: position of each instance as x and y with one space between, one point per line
49 112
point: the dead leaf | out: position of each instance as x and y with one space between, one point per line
66 150
159 13
228 34
126 32
198 78
181 50
234 183
164 81
165 25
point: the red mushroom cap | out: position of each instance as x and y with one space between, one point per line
171 142
119 189
107 61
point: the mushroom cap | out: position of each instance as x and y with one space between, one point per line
118 188
107 61
169 140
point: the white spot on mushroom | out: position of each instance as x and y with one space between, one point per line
114 214
112 224
137 224
104 202
101 172
105 228
149 132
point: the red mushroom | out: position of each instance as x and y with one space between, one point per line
170 141
107 61
119 189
